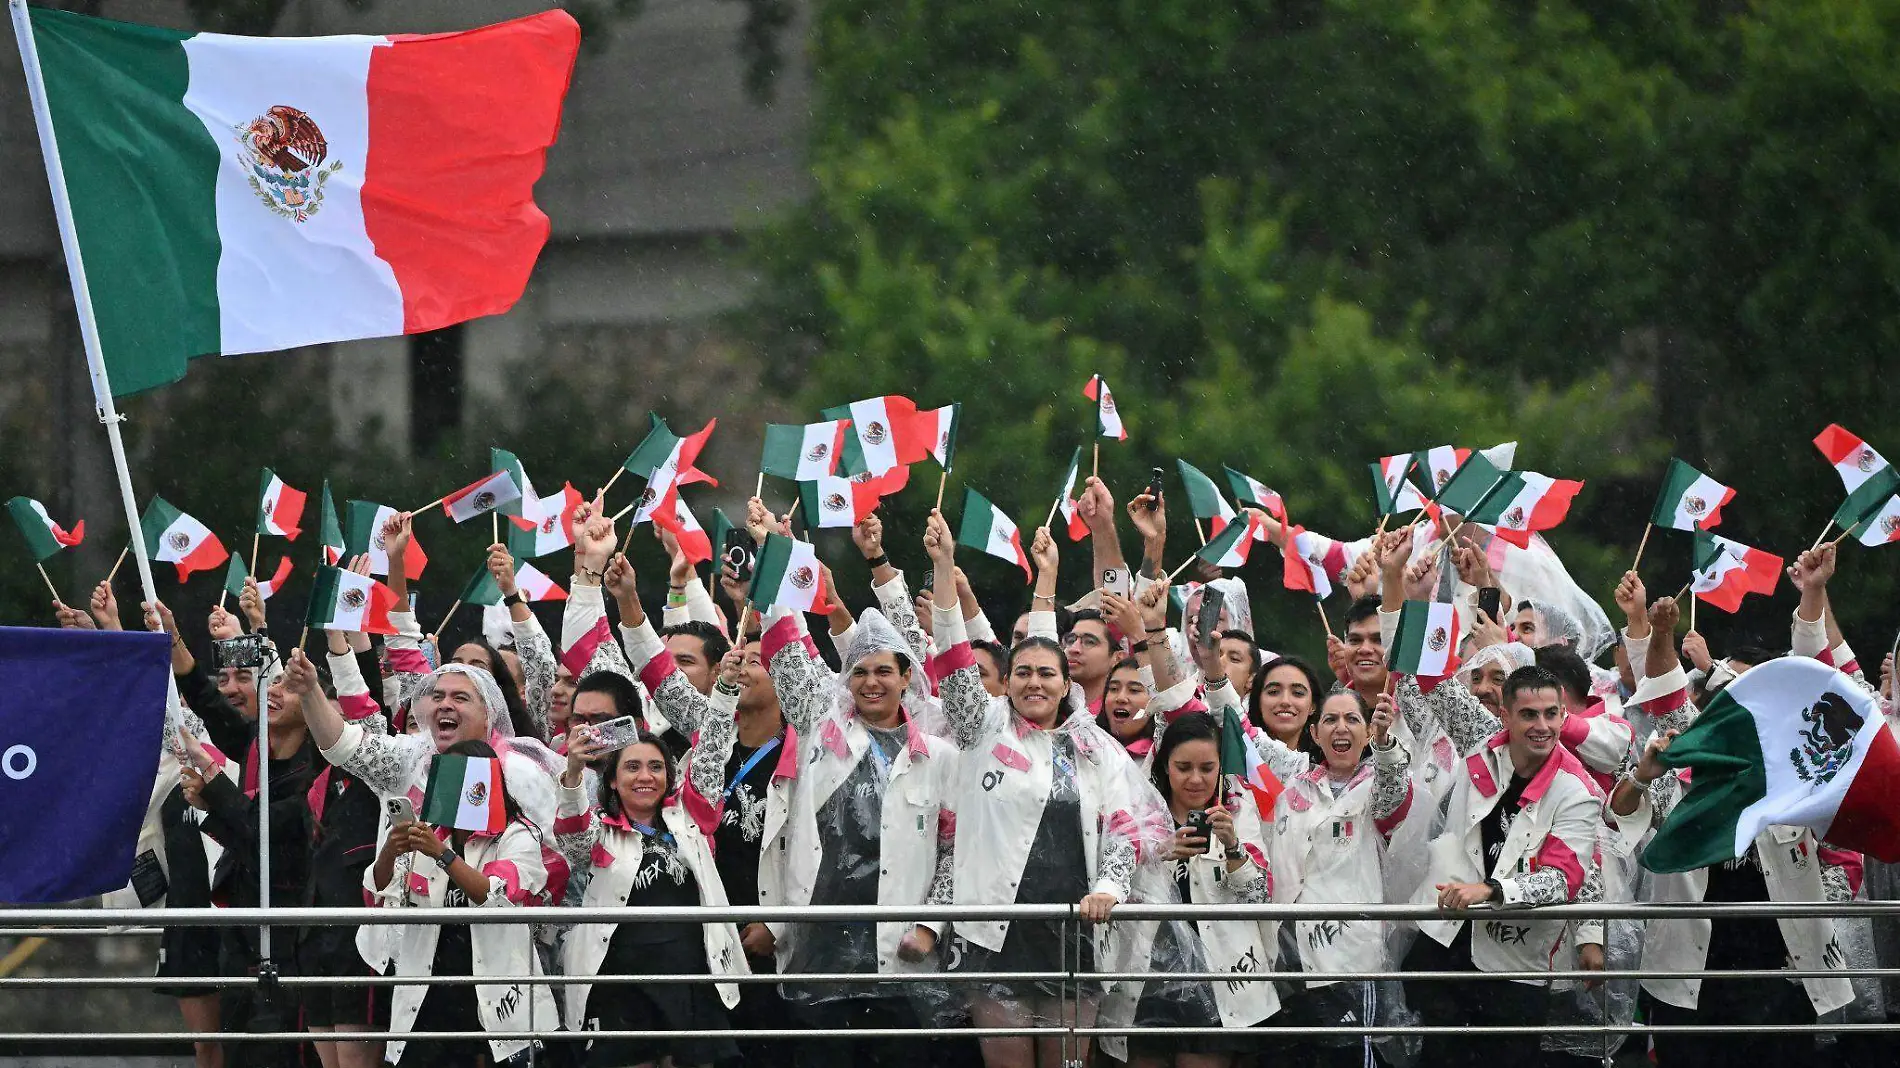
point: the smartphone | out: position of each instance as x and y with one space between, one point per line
399 810
615 733
1116 580
1198 826
1207 620
1489 598
1154 488
738 552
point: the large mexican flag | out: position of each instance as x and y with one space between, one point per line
248 194
1791 742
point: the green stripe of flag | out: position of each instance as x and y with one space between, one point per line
1676 482
480 587
1868 498
1203 496
1470 485
768 573
1724 747
1217 548
141 174
323 594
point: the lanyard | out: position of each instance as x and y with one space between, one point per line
751 762
650 832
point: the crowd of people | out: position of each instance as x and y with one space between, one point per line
912 756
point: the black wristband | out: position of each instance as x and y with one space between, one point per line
1497 891
877 561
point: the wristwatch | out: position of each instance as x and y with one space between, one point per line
1497 891
1234 852
447 859
513 599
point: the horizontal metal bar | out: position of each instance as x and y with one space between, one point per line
305 917
1605 1030
951 978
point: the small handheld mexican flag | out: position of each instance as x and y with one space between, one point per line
535 585
1239 758
173 537
886 432
465 793
364 534
685 528
1476 481
501 460
1065 499
329 529
550 523
1524 502
1108 420
939 427
1690 500
1232 545
1882 527
1426 643
985 527
1437 465
1867 499
343 600
1204 497
1792 742
1392 492
1304 560
482 496
1853 459
43 536
666 461
1726 571
802 453
279 508
830 501
1248 490
786 575
236 573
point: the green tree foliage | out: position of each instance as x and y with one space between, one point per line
1297 235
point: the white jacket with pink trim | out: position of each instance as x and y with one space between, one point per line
516 877
1549 852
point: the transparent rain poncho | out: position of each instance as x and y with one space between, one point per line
1534 574
1134 848
849 825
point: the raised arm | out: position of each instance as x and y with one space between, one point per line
685 708
1391 786
1096 506
965 703
706 762
1042 604
1810 574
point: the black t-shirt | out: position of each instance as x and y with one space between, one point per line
736 842
1497 826
1753 943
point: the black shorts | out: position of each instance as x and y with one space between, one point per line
186 953
331 953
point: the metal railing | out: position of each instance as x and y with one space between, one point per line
124 922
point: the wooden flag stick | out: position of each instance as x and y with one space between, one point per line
304 637
1823 537
445 619
1321 605
494 530
794 509
1692 602
1095 465
759 490
745 613
49 581
1380 529
1052 512
1684 589
255 538
941 479
114 573
431 504
1641 545
625 510
602 491
1845 534
1172 575
1199 530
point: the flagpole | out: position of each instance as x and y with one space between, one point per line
1198 530
1641 545
103 405
1823 537
941 479
1692 602
114 573
49 581
445 620
1052 512
759 490
1845 534
618 471
431 504
255 539
1095 465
